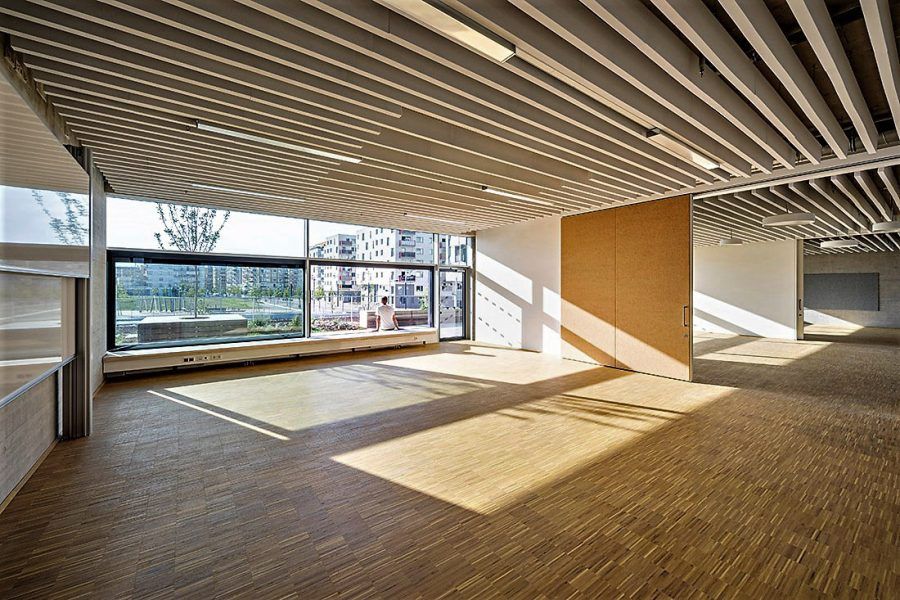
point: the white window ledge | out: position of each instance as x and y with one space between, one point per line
129 361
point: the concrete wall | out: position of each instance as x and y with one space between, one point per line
517 286
750 289
27 431
98 281
886 264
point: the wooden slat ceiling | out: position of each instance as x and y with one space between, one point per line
757 87
877 242
30 156
843 205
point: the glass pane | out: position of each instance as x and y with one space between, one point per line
344 298
44 231
377 244
453 304
166 304
32 332
455 250
159 226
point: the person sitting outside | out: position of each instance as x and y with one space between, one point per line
385 317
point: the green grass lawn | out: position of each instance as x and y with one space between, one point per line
144 302
230 303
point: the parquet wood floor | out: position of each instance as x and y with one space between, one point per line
463 471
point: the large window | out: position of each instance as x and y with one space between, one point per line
161 226
165 301
183 275
344 297
369 244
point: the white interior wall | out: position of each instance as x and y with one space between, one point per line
750 289
517 285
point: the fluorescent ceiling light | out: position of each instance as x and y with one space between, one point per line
886 227
438 219
215 188
839 244
788 219
264 140
445 21
681 149
731 241
513 195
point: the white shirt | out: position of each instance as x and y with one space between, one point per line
386 313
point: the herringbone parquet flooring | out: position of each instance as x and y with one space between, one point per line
470 472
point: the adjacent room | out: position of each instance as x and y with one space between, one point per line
449 299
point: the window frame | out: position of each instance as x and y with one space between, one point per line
430 268
169 257
446 262
305 264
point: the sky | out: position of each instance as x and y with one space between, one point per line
22 220
132 223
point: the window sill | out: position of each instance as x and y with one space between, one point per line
118 362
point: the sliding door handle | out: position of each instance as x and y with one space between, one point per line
684 316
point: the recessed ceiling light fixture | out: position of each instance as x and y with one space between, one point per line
514 196
839 244
216 188
887 227
264 140
437 219
681 149
731 240
444 20
789 219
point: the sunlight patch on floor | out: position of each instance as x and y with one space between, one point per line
487 462
218 415
304 399
502 365
759 351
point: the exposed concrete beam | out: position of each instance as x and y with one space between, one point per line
758 25
579 63
648 34
885 157
845 185
22 81
826 189
775 206
890 183
803 190
581 28
816 23
127 61
865 181
823 219
880 26
363 34
703 29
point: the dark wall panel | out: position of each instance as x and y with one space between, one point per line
841 291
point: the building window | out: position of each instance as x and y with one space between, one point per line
455 250
368 243
343 307
164 301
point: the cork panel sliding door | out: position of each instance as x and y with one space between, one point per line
653 287
587 287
